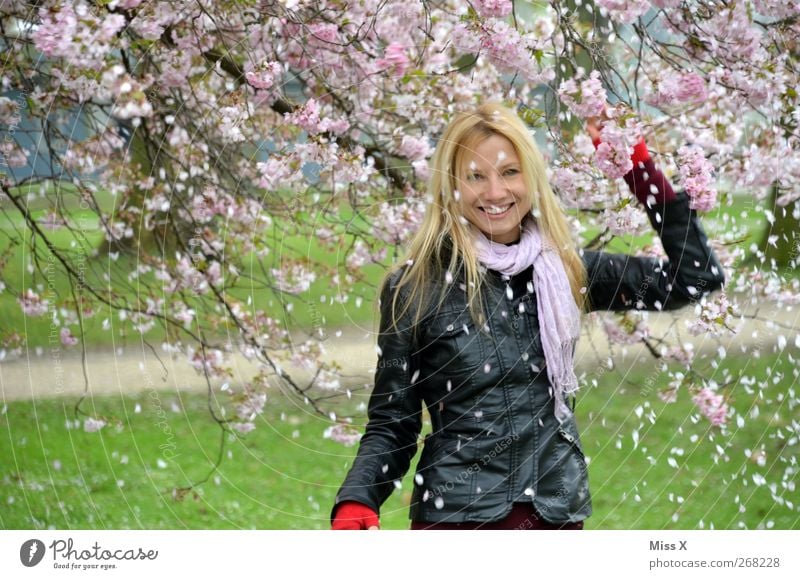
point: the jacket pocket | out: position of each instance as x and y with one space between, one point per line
574 470
453 345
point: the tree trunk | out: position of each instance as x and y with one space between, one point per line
785 228
157 241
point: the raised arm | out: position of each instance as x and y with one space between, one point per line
620 282
394 416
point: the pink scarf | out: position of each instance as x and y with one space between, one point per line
559 316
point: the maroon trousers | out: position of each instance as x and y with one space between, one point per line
523 517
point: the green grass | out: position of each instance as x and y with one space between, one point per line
316 308
284 475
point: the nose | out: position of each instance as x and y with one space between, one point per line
495 188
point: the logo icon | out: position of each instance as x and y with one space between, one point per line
31 552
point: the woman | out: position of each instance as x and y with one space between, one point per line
480 324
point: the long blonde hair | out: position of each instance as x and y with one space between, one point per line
441 220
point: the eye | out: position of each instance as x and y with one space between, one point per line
474 176
511 171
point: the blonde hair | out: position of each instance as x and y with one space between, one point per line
442 217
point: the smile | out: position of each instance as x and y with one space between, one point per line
495 210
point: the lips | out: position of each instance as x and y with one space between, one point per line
492 210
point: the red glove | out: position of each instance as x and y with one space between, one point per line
354 516
645 179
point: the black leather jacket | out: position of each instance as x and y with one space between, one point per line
495 439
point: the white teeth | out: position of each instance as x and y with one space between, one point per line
494 210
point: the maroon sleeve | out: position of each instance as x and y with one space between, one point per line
645 178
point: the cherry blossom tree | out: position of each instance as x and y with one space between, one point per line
222 129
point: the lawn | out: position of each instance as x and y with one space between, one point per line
681 474
316 308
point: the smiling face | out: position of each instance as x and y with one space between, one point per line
494 196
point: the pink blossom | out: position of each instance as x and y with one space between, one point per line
243 427
628 330
681 354
713 315
493 8
212 363
697 178
327 380
679 88
666 3
414 148
361 255
32 305
510 52
711 405
613 155
9 111
12 154
326 32
343 434
184 314
124 4
465 38
395 223
337 126
587 99
148 26
307 355
74 33
93 424
306 117
421 169
577 186
624 11
629 220
214 274
67 338
295 279
252 405
394 58
668 395
778 8
52 221
264 77
231 121
279 172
